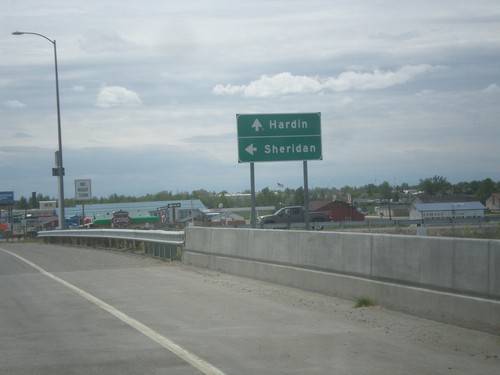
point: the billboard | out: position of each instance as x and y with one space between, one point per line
6 197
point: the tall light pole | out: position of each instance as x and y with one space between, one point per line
59 170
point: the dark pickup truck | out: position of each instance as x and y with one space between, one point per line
293 214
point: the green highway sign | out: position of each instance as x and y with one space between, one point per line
279 137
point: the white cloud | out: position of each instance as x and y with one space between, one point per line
345 102
16 104
287 83
397 37
425 92
493 88
379 79
94 42
282 84
22 135
115 96
228 89
78 88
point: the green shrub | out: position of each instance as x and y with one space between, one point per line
364 302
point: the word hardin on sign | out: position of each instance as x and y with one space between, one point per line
295 124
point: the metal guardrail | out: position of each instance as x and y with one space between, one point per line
158 236
158 243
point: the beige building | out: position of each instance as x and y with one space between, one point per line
493 202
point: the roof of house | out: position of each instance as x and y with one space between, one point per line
449 206
428 198
316 205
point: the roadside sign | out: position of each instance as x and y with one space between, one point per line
6 197
83 190
279 137
121 219
163 215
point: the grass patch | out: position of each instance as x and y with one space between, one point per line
364 302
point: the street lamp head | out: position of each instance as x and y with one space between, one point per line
28 32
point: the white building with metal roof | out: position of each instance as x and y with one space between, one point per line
184 208
447 210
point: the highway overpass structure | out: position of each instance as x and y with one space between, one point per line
453 280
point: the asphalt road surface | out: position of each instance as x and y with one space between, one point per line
67 310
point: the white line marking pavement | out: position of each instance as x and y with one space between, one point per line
168 344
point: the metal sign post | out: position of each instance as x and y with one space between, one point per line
279 137
253 218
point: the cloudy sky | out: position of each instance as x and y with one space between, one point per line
150 90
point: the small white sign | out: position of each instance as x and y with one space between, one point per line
83 190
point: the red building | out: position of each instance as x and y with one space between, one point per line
339 211
342 211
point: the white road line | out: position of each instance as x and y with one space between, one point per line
168 344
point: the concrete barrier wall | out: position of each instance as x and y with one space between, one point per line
466 266
449 279
452 264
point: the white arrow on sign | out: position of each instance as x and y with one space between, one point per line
250 149
257 125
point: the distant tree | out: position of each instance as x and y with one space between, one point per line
346 189
385 190
115 198
435 185
371 190
33 202
182 195
267 197
222 199
474 186
41 197
462 188
486 188
286 198
22 204
404 186
298 197
208 198
163 196
320 193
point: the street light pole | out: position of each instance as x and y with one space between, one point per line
59 159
